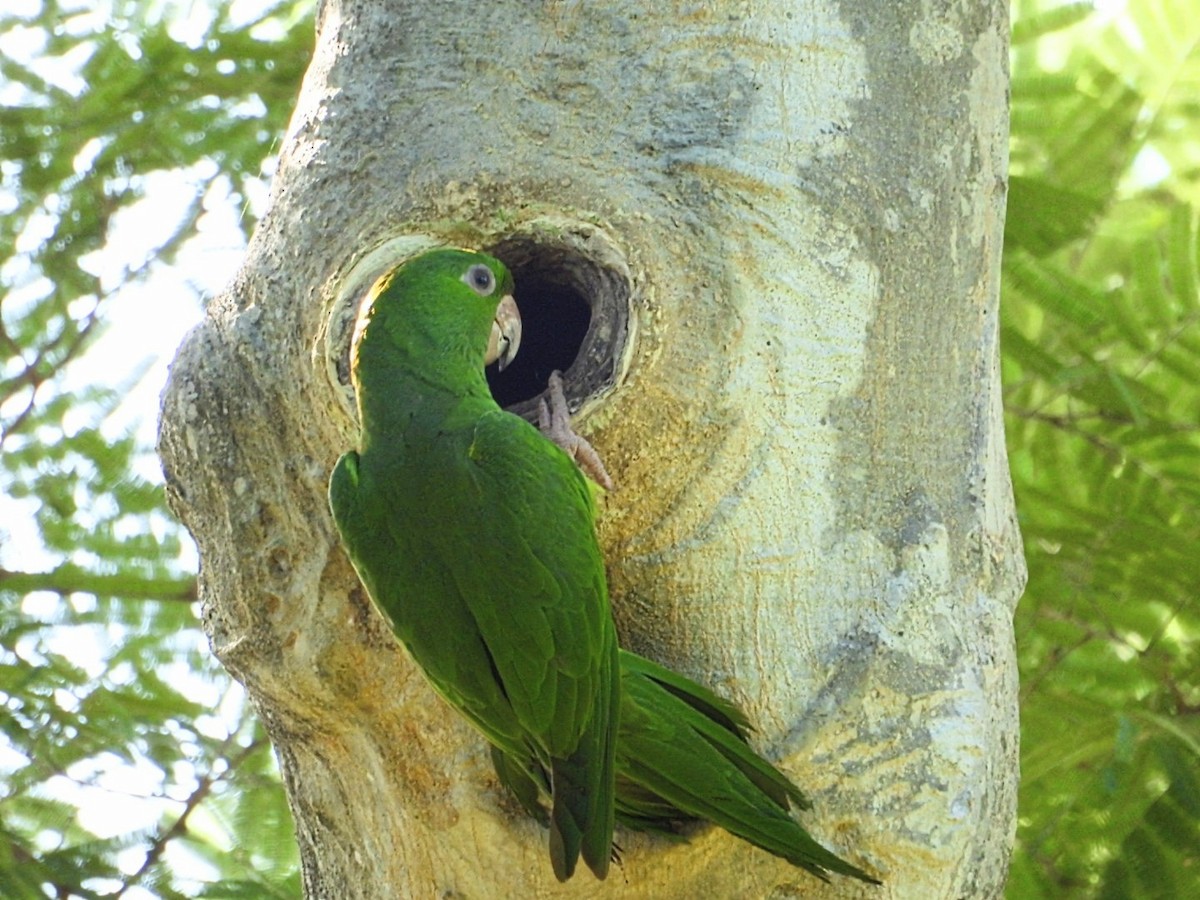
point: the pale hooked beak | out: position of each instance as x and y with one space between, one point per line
505 338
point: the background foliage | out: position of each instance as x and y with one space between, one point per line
130 765
106 684
1101 352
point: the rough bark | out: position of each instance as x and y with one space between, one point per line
790 215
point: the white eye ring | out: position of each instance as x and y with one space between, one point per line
480 279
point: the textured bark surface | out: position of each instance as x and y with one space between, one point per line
802 207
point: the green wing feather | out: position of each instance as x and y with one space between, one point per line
562 658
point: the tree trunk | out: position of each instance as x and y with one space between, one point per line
786 222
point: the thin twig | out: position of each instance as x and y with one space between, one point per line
203 789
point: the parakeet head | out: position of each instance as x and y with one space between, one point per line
442 310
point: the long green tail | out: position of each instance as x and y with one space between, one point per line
682 754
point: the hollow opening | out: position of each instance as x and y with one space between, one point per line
554 322
573 290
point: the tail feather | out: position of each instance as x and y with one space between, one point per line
676 752
525 780
720 719
700 698
773 783
681 754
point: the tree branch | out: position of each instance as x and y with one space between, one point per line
203 789
70 579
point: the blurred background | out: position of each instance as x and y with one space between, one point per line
137 143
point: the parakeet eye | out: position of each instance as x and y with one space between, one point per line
480 279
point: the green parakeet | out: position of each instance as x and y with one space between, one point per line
474 536
471 533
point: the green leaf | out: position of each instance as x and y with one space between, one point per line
1030 28
1043 217
1102 367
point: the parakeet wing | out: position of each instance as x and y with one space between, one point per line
537 592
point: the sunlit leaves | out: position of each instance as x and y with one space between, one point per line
1102 372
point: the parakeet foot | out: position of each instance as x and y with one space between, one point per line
554 420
